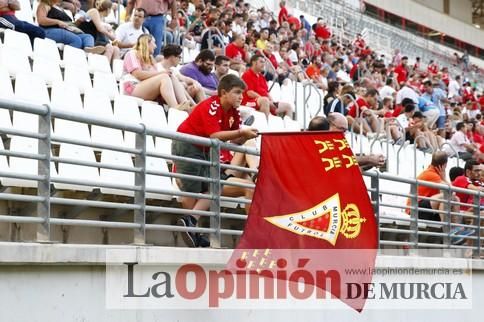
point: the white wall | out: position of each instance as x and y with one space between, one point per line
49 283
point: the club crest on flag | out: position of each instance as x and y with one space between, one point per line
324 221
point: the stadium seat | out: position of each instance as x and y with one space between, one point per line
97 104
275 91
18 41
78 77
175 118
260 121
115 176
76 57
32 89
291 125
155 181
3 159
78 172
106 82
275 124
98 63
153 116
126 109
22 165
5 93
66 97
47 69
15 62
118 68
46 48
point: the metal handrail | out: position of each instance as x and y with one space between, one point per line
306 99
453 150
43 220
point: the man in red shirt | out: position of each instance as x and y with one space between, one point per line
470 180
237 54
402 71
257 93
361 113
321 30
217 118
283 14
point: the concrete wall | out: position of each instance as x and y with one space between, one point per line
458 9
433 4
47 283
421 14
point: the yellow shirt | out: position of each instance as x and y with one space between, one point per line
261 44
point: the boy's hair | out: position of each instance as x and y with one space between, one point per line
172 50
228 82
220 59
254 58
455 172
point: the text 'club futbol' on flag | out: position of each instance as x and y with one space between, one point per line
310 211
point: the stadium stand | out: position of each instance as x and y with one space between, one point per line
100 150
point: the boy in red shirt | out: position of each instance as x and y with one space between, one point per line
216 118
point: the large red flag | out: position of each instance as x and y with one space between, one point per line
310 195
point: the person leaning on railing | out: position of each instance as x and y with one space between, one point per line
216 118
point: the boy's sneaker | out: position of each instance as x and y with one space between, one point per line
202 241
459 233
190 238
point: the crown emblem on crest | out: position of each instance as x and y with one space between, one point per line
351 225
325 220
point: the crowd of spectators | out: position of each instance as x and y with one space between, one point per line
376 93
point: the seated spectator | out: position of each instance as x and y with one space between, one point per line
59 27
102 32
470 179
142 79
429 110
257 93
9 21
360 115
341 101
128 33
222 66
406 92
387 90
187 90
200 70
336 122
236 51
461 144
425 139
263 39
213 38
217 117
434 173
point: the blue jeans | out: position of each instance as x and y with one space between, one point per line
441 122
69 38
156 27
33 31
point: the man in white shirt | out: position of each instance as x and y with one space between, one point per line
387 90
128 33
454 87
459 141
406 92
